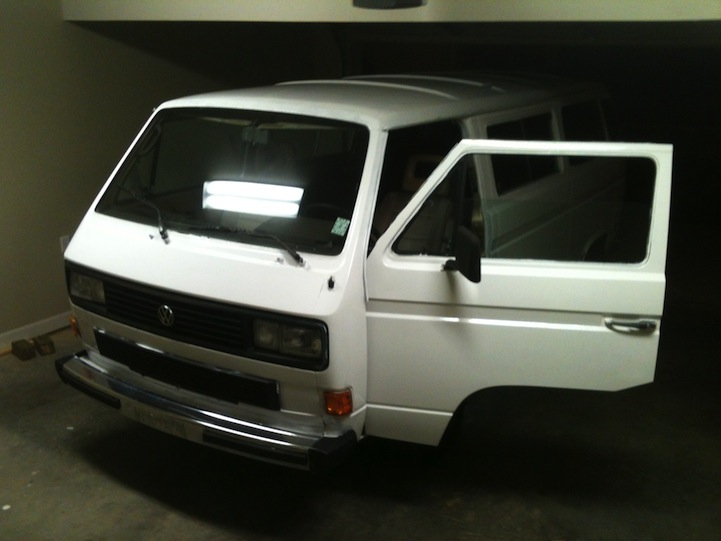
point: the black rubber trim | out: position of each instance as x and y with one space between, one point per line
327 453
221 384
323 456
297 458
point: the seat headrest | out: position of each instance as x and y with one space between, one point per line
418 168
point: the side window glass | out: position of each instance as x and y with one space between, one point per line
454 202
515 171
596 213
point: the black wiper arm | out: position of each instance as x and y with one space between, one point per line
293 253
280 242
146 202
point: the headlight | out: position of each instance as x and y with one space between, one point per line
301 342
289 339
266 334
86 288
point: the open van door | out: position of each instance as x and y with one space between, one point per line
568 290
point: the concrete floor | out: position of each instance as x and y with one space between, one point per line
643 464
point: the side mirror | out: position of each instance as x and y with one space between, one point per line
468 255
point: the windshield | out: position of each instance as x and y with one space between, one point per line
255 177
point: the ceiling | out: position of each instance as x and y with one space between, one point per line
432 11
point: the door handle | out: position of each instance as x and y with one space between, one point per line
640 326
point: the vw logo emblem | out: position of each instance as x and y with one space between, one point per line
166 315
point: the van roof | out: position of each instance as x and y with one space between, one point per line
389 101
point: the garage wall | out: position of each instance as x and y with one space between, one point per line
70 102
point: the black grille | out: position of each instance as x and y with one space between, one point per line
220 384
195 321
201 322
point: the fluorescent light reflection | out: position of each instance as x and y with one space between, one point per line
523 324
534 325
252 198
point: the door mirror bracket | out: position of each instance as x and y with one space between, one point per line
468 255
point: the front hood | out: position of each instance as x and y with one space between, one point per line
221 270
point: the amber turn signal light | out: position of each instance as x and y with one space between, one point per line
339 403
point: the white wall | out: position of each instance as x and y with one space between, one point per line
70 102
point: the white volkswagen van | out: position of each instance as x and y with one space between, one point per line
279 272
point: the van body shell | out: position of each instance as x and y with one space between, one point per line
406 342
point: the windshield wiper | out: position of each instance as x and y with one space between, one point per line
293 253
225 229
161 226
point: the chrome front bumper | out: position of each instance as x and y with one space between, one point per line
291 448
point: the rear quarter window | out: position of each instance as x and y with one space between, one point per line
514 171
